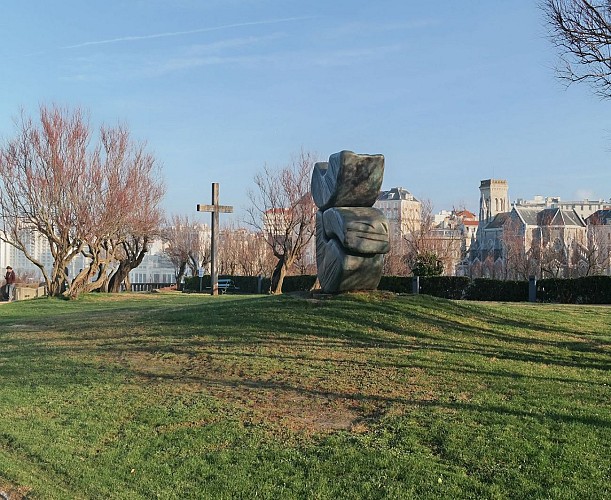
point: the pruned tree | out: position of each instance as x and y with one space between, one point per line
141 191
81 195
283 210
130 192
581 29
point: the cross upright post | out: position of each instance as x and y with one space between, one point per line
214 210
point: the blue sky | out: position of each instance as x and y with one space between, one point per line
450 92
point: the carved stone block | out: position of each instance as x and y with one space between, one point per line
347 180
351 236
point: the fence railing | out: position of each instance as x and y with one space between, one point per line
149 287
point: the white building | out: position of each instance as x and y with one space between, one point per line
38 247
155 267
401 209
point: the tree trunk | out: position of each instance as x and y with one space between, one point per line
180 275
133 259
278 276
316 285
118 277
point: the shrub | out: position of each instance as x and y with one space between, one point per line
427 264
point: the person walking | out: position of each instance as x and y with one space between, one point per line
10 283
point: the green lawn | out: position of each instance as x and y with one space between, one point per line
357 396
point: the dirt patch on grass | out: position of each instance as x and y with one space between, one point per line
11 492
287 409
305 388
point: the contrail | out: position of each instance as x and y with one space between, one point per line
179 33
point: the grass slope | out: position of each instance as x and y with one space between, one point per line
358 396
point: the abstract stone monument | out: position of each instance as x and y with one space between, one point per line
351 235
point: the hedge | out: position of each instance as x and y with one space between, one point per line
587 290
447 287
246 284
489 289
459 287
249 284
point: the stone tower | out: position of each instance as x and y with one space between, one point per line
494 199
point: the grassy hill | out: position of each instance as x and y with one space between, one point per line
358 396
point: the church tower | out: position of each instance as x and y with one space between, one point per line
494 199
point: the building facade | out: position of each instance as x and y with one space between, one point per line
543 237
402 210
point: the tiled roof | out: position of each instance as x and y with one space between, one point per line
465 214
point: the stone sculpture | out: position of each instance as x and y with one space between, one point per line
351 235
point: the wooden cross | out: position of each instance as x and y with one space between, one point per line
215 210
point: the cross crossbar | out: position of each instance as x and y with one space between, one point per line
227 209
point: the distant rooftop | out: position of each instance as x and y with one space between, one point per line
554 201
549 217
466 214
396 193
600 217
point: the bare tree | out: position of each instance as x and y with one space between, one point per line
425 242
130 192
256 257
81 197
231 241
596 252
44 187
589 255
581 29
200 254
143 191
395 259
519 260
187 245
554 254
283 210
